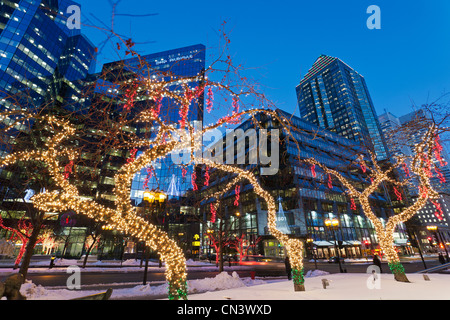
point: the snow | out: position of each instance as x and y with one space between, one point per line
226 286
222 281
229 286
342 287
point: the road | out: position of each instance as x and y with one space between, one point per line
271 269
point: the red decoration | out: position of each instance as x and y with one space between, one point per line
209 100
313 170
68 170
23 234
157 110
193 178
213 213
330 182
439 213
398 194
188 95
130 96
214 242
240 242
184 172
437 151
237 191
428 167
363 167
440 175
352 204
406 169
235 106
132 155
207 176
148 177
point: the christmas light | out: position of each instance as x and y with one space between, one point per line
237 192
398 194
420 166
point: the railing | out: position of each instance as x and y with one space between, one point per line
434 269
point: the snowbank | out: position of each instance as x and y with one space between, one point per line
222 281
343 286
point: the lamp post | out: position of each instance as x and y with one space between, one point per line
311 244
333 224
209 231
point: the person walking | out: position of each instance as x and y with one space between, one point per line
287 263
377 262
441 258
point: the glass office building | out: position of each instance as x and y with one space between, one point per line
303 199
38 49
182 64
40 56
402 143
335 97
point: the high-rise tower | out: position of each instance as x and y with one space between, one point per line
334 96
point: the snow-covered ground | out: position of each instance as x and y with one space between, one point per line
228 286
342 287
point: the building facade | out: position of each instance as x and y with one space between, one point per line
181 66
304 199
435 213
335 97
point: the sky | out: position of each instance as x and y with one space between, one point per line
405 63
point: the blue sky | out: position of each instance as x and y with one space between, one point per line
405 62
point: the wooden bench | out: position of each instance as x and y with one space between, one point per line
99 296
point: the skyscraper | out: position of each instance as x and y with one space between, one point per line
182 64
41 57
304 198
389 125
335 97
413 137
38 50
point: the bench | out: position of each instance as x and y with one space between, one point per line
99 296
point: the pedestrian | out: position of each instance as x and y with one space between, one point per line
377 261
441 258
287 263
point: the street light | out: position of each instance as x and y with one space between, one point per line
310 241
154 196
333 224
209 232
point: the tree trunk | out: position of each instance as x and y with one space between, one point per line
299 287
86 255
299 279
401 277
29 250
220 253
394 262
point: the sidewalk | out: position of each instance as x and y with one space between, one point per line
61 266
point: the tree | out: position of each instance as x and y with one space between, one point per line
28 236
376 175
242 246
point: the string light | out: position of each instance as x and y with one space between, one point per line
124 218
385 234
294 247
